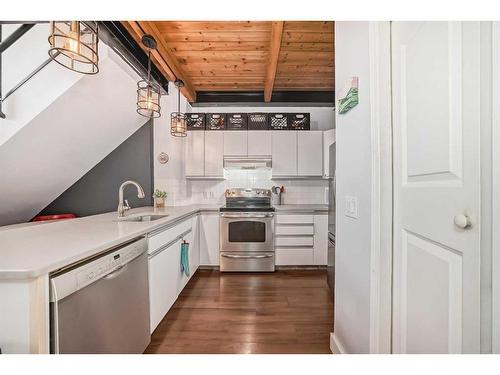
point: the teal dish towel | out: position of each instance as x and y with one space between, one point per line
185 258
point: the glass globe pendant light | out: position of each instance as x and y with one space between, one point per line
74 45
148 92
178 124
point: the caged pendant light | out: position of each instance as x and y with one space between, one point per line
178 124
73 44
148 92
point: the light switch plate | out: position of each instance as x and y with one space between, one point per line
351 207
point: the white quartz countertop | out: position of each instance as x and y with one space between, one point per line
301 208
34 249
28 251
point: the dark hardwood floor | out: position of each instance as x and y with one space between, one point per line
282 312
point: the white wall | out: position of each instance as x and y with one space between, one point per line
66 139
18 61
353 173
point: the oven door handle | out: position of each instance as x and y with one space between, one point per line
248 216
247 256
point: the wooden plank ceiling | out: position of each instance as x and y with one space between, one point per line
243 56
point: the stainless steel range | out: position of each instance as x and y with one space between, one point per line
247 231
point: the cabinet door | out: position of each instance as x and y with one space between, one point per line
284 153
214 153
195 244
320 239
195 153
259 143
163 279
183 279
235 143
310 153
209 239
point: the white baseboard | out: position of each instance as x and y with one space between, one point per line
335 346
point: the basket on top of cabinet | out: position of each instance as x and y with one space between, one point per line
278 121
299 121
215 121
258 121
195 121
236 121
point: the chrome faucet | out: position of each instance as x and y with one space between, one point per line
123 206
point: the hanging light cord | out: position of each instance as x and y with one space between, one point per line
178 99
149 66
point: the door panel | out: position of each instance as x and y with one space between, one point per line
434 283
435 85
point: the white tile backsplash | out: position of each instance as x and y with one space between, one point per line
183 192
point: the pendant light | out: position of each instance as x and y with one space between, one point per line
178 125
148 92
73 44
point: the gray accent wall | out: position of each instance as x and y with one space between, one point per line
97 191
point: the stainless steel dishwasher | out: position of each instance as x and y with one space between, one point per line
101 305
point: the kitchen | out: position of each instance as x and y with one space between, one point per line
231 191
191 183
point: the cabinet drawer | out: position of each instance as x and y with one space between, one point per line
287 229
294 257
160 239
294 241
294 219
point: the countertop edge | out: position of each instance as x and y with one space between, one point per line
19 275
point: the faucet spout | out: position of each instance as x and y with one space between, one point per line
123 206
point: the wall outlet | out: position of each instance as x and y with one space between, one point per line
351 207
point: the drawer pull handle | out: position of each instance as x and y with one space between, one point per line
247 256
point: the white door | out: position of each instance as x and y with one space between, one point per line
195 153
259 143
435 78
310 153
235 143
214 153
284 152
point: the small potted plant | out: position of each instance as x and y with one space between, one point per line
159 197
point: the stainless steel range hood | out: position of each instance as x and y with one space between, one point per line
247 163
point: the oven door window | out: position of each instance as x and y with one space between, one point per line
247 231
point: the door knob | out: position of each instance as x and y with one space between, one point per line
462 221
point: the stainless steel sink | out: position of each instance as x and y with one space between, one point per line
141 218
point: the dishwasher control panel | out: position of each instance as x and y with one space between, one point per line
102 266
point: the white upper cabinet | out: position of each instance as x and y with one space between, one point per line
259 143
310 153
284 152
195 153
235 143
214 153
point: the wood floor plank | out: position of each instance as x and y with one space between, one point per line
288 311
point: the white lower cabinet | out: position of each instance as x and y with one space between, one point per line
163 282
209 239
301 240
320 239
166 280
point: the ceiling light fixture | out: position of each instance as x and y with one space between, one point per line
178 124
148 92
74 45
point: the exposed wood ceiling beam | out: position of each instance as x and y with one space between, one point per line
274 53
165 57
